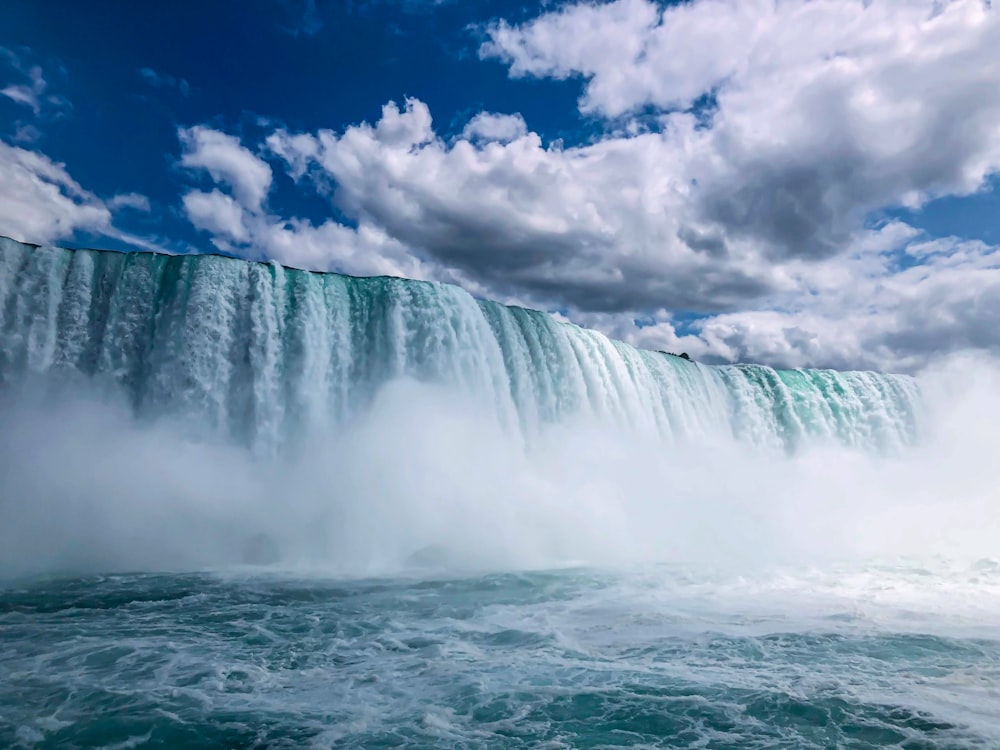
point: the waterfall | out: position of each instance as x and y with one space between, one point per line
258 354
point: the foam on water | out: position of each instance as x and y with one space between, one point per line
691 658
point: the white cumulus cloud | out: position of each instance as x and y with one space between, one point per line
227 161
241 224
812 114
217 213
488 126
40 202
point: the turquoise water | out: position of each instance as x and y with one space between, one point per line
655 657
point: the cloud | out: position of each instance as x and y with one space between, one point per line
134 201
818 113
366 250
868 311
911 317
26 133
588 227
240 223
298 151
163 80
217 213
603 42
30 86
487 126
227 161
28 94
40 202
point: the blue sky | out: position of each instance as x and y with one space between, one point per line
802 183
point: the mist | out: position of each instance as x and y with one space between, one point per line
426 479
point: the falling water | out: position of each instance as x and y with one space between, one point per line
260 354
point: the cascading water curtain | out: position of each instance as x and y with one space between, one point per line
257 354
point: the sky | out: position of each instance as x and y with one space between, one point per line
793 182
